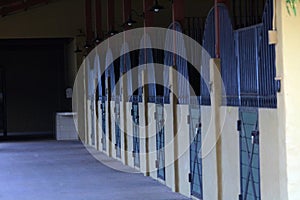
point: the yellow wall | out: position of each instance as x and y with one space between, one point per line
288 67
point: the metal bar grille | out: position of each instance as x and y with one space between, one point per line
160 138
117 129
249 155
195 152
136 134
103 115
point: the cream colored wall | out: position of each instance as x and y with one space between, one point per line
143 143
113 132
289 109
183 135
269 155
169 145
230 153
58 19
152 140
108 128
129 129
209 159
92 116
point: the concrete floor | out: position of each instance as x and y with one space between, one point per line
51 170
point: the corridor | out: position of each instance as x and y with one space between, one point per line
51 170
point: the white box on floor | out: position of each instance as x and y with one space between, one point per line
65 127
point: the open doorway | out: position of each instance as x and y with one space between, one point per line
3 125
35 82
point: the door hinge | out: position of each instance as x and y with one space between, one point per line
239 125
188 119
131 112
190 177
116 146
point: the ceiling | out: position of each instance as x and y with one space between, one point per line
8 7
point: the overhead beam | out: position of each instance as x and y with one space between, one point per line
16 6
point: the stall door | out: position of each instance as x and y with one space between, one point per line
249 154
103 115
92 107
117 130
160 141
136 134
195 176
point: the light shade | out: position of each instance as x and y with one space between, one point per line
112 32
87 45
77 50
130 21
156 7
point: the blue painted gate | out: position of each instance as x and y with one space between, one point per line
103 118
136 133
117 128
249 154
195 176
160 137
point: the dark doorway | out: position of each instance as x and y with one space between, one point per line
3 127
35 85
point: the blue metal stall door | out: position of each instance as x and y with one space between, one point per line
117 129
136 133
160 141
249 155
103 115
195 176
92 107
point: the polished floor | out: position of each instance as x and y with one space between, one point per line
51 170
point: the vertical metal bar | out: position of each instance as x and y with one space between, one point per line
217 30
257 64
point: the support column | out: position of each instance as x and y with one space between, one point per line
178 16
287 62
127 153
148 22
211 140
